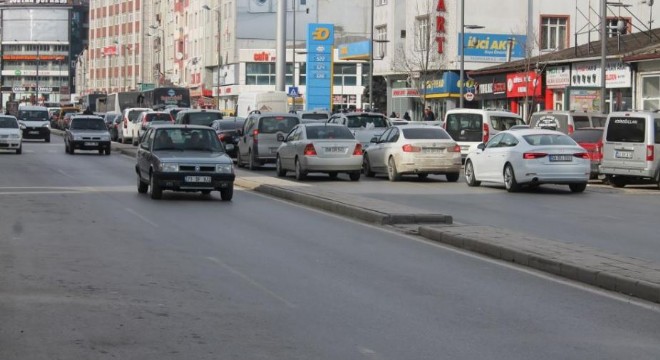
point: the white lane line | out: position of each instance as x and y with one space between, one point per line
252 282
139 216
368 353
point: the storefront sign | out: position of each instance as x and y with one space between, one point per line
491 87
39 2
33 57
440 31
34 73
584 100
587 74
320 41
262 56
444 87
493 47
523 84
557 77
354 51
405 92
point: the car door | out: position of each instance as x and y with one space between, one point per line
376 154
501 154
483 169
243 140
287 150
390 146
144 154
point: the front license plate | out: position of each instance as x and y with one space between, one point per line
91 143
33 132
561 157
229 147
198 179
623 154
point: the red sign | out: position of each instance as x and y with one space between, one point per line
440 25
109 50
405 92
523 84
262 56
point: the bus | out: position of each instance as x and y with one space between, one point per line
120 101
163 97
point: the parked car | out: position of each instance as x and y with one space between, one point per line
53 113
591 139
364 126
227 131
631 148
566 121
129 128
115 128
149 118
87 132
323 148
413 150
397 121
470 127
314 116
10 134
61 123
35 122
258 139
201 117
529 158
183 158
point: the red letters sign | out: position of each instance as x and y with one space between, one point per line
262 56
523 84
440 25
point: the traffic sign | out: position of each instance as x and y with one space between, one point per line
293 91
469 96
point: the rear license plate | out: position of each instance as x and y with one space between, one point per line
33 132
335 149
91 143
198 179
561 157
623 154
433 150
229 147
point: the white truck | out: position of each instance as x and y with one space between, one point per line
265 101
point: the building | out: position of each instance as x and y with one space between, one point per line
40 42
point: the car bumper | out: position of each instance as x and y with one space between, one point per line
409 164
90 144
177 181
313 163
632 172
571 174
36 133
10 144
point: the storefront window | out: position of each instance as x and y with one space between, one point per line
651 92
558 100
345 75
264 74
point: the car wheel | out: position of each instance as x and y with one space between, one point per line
252 164
108 150
333 174
101 151
155 191
227 194
577 188
422 176
47 139
278 168
300 174
510 179
366 167
392 173
354 176
617 182
72 151
142 186
469 175
239 159
19 150
206 192
452 177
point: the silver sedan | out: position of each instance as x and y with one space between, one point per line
325 148
413 149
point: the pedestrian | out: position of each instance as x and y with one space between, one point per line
428 114
88 111
393 115
406 116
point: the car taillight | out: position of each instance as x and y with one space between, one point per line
486 133
255 134
358 149
221 137
598 153
571 129
534 155
410 148
582 155
456 148
309 150
650 149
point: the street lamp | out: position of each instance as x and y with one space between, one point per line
462 72
162 50
217 10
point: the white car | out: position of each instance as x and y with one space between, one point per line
130 126
10 134
413 150
529 157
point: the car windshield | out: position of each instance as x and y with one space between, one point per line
329 132
273 124
501 123
87 124
8 123
557 122
465 126
548 139
430 133
229 124
366 121
581 121
315 116
631 130
587 135
33 115
187 139
158 117
133 114
203 118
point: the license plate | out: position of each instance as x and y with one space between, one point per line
229 147
623 154
91 143
198 179
33 132
432 150
335 149
561 157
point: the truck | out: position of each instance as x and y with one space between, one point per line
265 101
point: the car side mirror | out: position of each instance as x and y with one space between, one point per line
280 138
481 146
374 140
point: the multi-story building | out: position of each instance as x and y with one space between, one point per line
40 40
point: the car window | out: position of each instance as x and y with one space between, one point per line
203 118
186 139
157 117
465 127
549 121
657 130
626 130
274 124
289 136
549 139
8 123
315 116
508 140
501 123
146 141
394 136
87 124
581 121
33 115
384 135
587 135
598 121
495 141
328 132
431 133
366 121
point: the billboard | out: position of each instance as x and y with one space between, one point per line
320 41
33 24
484 47
587 74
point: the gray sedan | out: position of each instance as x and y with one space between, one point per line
325 148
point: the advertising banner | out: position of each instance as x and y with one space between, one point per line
557 77
584 100
523 84
320 41
587 74
492 47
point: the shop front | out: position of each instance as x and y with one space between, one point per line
584 92
524 92
491 91
648 90
440 94
557 80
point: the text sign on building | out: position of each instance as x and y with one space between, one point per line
320 40
440 31
484 47
557 77
587 74
523 84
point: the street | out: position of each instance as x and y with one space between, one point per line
93 270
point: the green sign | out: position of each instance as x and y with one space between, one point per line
146 86
17 73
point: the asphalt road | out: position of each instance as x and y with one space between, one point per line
89 269
618 221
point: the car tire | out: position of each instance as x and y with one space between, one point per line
617 182
142 187
300 174
239 160
333 174
392 173
19 150
354 176
227 194
510 179
278 168
366 167
47 139
578 188
422 176
470 178
155 191
72 151
252 164
108 150
452 177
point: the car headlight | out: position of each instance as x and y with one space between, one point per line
14 136
46 125
169 167
22 126
105 137
224 168
77 137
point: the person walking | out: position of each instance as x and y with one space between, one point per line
406 116
428 114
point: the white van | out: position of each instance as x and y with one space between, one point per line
631 148
265 101
470 127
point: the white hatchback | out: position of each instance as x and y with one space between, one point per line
130 125
529 157
10 134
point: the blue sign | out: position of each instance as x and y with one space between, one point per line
492 47
320 42
293 91
446 86
355 51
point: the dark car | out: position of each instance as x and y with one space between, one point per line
112 122
198 117
591 139
227 131
183 158
87 132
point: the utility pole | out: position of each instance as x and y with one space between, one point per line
280 62
371 58
38 62
603 54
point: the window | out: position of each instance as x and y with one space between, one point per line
422 34
264 74
380 38
554 32
651 92
381 2
345 75
613 26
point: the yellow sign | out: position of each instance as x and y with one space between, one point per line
321 34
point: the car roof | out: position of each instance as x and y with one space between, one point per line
321 124
87 116
354 113
186 110
271 114
482 111
180 126
32 107
8 116
567 112
533 131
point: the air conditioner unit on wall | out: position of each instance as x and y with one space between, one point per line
261 6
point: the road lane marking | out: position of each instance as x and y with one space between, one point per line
142 217
251 281
45 190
